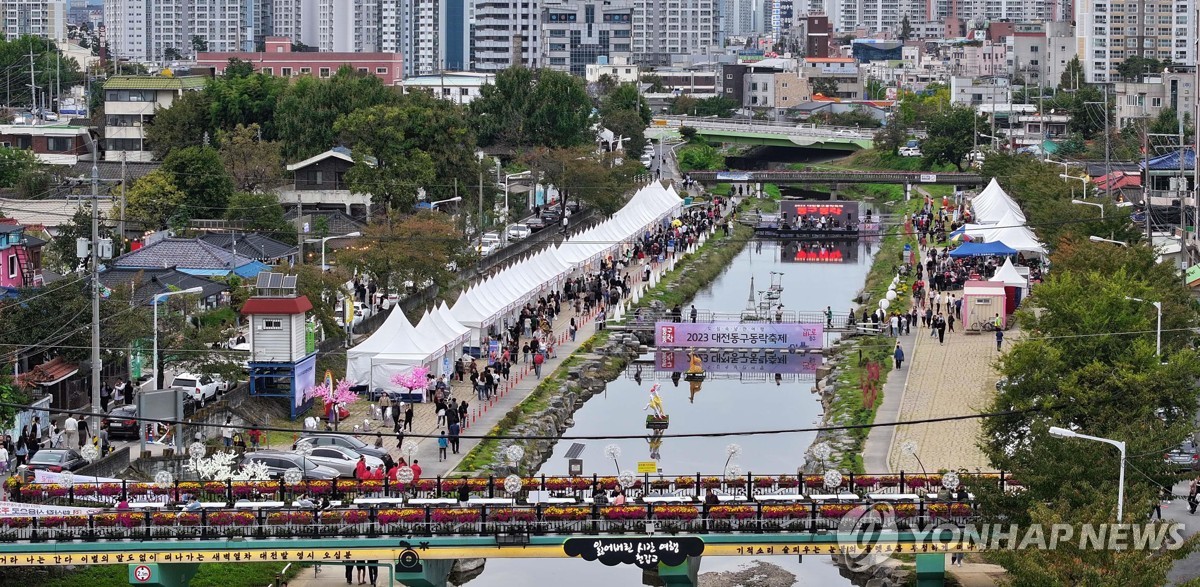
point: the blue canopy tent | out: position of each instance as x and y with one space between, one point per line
982 249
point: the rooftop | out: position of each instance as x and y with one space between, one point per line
150 282
155 82
192 256
250 244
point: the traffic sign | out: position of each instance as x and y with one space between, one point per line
142 574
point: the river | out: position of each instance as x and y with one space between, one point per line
825 277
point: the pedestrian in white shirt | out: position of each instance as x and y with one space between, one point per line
71 428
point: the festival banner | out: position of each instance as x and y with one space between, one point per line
739 335
47 477
740 361
13 509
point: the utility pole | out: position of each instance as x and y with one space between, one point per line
121 216
1146 170
96 364
1108 151
32 79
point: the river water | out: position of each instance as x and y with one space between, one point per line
828 276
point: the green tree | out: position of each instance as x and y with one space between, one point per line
240 98
184 124
606 83
156 202
389 162
626 113
562 110
683 104
655 82
1072 77
891 137
261 213
238 68
580 174
414 248
199 45
60 252
254 164
700 157
718 106
905 29
170 53
1135 67
951 136
309 107
200 174
527 108
14 163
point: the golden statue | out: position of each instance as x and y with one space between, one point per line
656 404
695 364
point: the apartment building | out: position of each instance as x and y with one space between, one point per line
1172 89
348 26
433 35
37 18
161 31
662 28
130 103
1108 32
578 33
506 33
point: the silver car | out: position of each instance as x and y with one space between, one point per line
340 459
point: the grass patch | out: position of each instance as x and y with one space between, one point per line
847 408
721 189
772 190
208 575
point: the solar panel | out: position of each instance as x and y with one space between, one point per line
575 450
289 282
263 279
276 281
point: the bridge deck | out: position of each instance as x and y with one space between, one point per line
644 320
836 177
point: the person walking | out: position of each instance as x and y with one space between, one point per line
385 402
408 417
940 322
1191 499
454 432
443 442
999 339
950 321
828 317
71 429
537 364
898 354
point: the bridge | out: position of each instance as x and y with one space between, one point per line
643 320
767 133
417 531
837 177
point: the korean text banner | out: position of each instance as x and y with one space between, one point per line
738 335
740 361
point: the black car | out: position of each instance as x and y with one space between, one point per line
122 423
552 215
57 460
535 224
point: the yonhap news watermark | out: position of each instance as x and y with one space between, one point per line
876 530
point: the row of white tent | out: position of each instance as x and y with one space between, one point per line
999 219
397 346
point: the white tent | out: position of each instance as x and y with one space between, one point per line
1011 231
1008 275
396 333
993 203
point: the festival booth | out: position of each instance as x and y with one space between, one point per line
993 203
974 249
396 334
1016 286
982 300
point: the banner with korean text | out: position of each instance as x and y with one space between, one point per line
739 335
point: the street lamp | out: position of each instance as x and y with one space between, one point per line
325 267
434 205
1100 206
1084 180
1158 329
1097 239
154 304
1064 433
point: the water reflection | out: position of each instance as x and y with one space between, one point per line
763 401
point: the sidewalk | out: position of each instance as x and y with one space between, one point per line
879 439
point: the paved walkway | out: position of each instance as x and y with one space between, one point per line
879 440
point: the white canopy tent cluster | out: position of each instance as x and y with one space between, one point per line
397 346
999 219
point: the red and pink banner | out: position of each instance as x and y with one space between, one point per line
739 335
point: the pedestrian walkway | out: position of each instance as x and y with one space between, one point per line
879 439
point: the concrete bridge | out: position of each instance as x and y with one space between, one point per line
766 133
643 321
837 177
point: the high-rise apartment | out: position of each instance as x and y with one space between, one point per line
348 26
662 28
38 18
506 33
578 33
431 34
1109 32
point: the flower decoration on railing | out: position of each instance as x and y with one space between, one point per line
556 513
775 512
660 483
68 521
189 519
623 512
57 490
676 512
513 515
455 515
17 522
949 509
764 482
371 486
166 518
122 519
141 489
215 488
294 517
405 515
319 487
231 519
347 485
835 510
710 482
729 512
787 482
865 481
109 489
685 482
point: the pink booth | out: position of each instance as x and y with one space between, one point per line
982 300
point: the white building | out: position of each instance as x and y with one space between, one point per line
154 31
38 18
506 33
662 28
125 29
1108 33
579 33
620 70
460 87
348 26
130 103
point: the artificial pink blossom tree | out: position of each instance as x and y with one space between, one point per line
412 379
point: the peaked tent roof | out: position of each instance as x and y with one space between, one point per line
982 249
395 333
1007 274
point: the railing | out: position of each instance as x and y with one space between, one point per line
539 519
749 485
645 319
834 177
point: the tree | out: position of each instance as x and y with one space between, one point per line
606 83
891 137
525 108
951 136
309 107
156 202
1135 67
244 98
416 248
14 163
905 29
581 174
718 106
199 45
238 68
700 156
261 213
322 289
170 53
200 174
60 253
1072 76
253 163
826 86
683 104
915 110
655 83
184 124
1061 374
390 159
626 113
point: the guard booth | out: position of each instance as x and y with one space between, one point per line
283 357
982 300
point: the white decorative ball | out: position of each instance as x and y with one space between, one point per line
164 479
950 480
404 475
292 476
833 479
513 483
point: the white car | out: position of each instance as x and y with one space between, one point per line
361 312
386 302
910 151
647 160
517 232
201 387
489 244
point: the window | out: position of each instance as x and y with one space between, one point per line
58 144
360 70
268 71
318 177
1156 102
380 71
285 71
12 266
305 70
324 72
272 324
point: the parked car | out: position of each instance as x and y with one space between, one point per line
910 151
56 460
341 459
361 312
279 462
344 440
201 387
535 224
517 232
386 302
647 160
488 244
552 215
1185 457
123 423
